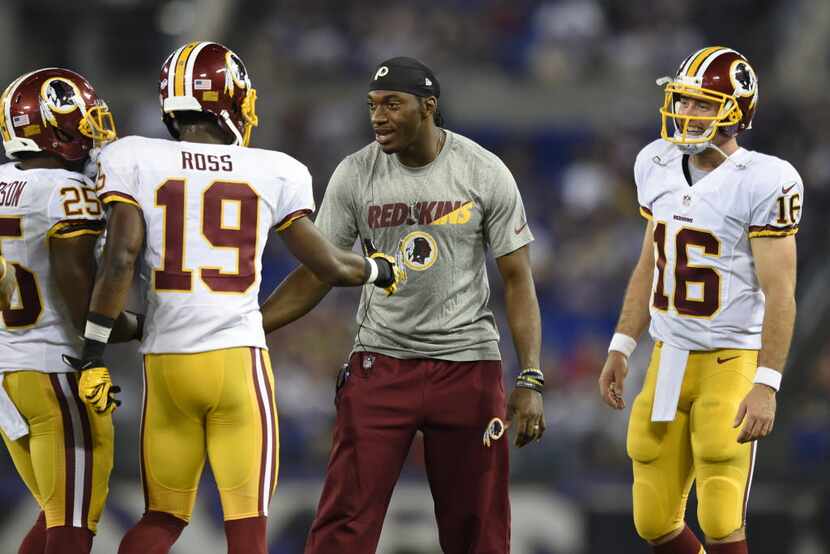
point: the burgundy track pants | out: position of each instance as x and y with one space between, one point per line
380 406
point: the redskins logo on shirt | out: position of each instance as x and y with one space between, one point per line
420 251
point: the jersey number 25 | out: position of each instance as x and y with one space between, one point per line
30 306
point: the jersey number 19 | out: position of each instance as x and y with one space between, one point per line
172 276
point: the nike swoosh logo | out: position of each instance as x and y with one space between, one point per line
521 228
785 190
729 359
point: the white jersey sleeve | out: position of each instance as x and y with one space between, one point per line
73 209
118 172
296 195
777 204
645 164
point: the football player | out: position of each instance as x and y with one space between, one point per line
50 218
201 208
716 281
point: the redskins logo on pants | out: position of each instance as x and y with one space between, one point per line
219 406
66 459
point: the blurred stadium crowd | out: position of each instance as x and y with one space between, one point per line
564 92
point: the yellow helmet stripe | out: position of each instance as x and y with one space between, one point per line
171 71
181 66
700 58
684 67
191 62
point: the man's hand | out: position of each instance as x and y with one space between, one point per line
611 379
95 385
390 271
526 411
758 408
393 272
8 282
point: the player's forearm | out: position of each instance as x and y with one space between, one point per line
75 284
346 270
524 320
634 316
779 321
73 268
331 265
125 239
112 284
297 295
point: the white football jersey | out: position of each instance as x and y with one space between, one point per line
207 209
706 294
36 205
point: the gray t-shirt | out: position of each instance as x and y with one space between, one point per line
444 216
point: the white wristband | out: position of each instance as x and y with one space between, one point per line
768 376
623 344
97 332
373 270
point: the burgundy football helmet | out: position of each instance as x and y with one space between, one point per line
715 74
54 110
208 77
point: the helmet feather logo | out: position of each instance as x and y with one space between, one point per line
235 73
59 96
743 78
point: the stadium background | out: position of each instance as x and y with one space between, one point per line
564 92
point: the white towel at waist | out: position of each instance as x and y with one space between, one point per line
11 421
670 372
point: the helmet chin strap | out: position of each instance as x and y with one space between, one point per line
727 157
692 149
227 119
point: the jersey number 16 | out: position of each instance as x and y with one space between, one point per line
707 302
